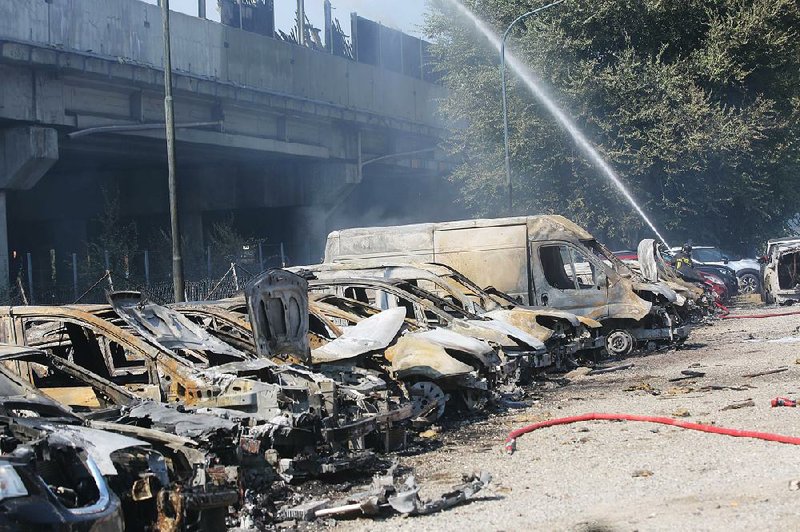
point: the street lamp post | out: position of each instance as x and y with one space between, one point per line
169 115
505 101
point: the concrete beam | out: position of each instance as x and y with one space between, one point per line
26 154
228 140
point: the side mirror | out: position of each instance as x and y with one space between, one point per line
725 260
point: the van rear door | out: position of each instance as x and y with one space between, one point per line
568 278
491 256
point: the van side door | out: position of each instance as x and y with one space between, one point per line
568 278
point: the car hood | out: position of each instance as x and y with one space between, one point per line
99 444
167 327
496 332
372 334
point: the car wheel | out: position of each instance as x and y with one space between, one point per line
620 343
749 283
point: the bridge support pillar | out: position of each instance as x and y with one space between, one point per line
26 155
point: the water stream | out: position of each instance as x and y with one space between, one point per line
583 143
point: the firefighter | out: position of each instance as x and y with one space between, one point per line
684 265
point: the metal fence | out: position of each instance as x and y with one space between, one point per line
45 278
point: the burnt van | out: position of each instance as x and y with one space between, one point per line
540 261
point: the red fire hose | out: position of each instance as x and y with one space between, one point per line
757 316
511 441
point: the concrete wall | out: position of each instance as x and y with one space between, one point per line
131 31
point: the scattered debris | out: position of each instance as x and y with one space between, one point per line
387 494
743 404
678 390
599 371
578 373
643 386
688 374
715 387
794 485
642 473
433 432
768 372
681 412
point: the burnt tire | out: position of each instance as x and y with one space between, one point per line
749 282
620 343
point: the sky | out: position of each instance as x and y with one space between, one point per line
405 15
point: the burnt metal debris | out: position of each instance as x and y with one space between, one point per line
211 414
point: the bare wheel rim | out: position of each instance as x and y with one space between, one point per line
748 284
619 342
423 395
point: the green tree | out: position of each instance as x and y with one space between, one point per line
694 102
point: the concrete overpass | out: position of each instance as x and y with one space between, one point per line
277 132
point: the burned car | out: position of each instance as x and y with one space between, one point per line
47 480
435 367
292 412
347 346
563 333
200 449
60 474
781 275
542 260
438 315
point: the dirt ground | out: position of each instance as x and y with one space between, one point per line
603 475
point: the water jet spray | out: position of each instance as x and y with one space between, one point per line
561 117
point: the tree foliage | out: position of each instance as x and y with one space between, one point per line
695 103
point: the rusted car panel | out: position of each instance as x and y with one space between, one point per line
228 325
782 272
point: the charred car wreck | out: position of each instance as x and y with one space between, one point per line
565 335
191 458
781 280
308 424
